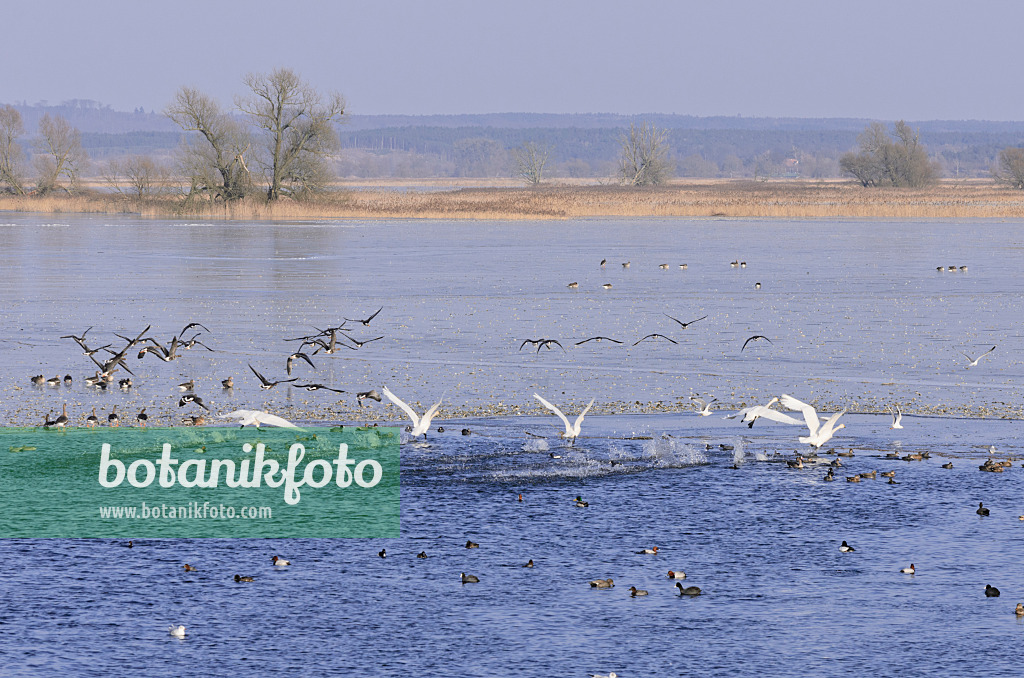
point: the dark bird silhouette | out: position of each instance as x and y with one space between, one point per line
360 344
615 341
654 336
192 398
81 339
756 336
191 343
319 387
681 323
367 321
297 356
186 328
266 383
371 394
541 343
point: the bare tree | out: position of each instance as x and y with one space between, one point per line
644 160
298 127
11 154
530 160
59 154
1010 167
137 177
900 160
213 161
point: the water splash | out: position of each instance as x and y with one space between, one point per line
536 445
667 451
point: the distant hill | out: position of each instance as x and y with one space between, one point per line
579 144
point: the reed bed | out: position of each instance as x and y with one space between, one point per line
721 198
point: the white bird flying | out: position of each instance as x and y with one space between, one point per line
974 361
419 425
897 417
748 415
570 431
705 406
255 418
820 432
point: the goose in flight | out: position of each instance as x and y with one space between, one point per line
190 326
541 343
681 323
366 323
267 384
820 432
974 361
360 344
298 355
756 336
318 387
897 417
571 432
192 398
256 418
80 340
599 339
419 424
655 335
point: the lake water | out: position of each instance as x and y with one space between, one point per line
858 319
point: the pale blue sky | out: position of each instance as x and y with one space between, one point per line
915 60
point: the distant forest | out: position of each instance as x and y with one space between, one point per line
578 145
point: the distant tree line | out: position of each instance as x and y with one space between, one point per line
281 138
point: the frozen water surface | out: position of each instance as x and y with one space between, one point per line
858 317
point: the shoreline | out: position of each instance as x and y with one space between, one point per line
497 200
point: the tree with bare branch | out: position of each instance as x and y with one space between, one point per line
213 159
1010 167
530 159
298 130
59 154
644 160
897 160
137 177
11 154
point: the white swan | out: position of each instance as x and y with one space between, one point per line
177 631
897 417
255 418
820 432
748 415
419 425
570 431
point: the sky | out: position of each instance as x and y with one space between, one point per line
912 59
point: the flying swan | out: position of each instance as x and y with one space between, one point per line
570 431
419 425
820 431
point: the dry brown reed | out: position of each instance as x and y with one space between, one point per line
709 198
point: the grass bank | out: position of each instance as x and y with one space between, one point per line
435 200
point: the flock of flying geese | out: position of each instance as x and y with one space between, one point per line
108 361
